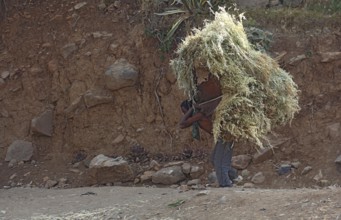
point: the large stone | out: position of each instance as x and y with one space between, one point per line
262 155
121 74
96 97
20 151
241 162
252 3
43 124
168 175
109 170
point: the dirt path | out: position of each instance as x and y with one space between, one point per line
155 203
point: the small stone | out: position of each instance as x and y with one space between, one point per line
338 160
50 183
13 176
186 168
68 49
7 187
43 124
117 4
194 182
21 163
5 74
12 163
296 165
46 178
88 54
27 174
318 176
118 139
283 169
174 163
136 180
248 185
203 193
324 183
62 181
2 82
212 178
330 56
245 173
96 97
296 59
101 6
52 66
154 165
306 170
258 178
36 70
183 188
334 130
113 47
79 5
168 175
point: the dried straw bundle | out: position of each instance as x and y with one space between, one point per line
257 93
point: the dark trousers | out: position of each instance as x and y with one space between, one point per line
221 159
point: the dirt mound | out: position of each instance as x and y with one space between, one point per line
53 54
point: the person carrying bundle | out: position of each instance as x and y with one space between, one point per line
200 114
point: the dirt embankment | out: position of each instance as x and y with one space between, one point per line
45 74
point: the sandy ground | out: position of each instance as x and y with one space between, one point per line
167 203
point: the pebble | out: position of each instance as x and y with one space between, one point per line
12 163
79 5
248 185
13 176
5 74
284 168
296 165
258 178
203 193
194 182
306 170
245 173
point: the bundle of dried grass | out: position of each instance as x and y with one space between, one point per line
257 93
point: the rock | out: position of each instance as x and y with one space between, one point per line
50 183
113 47
212 177
296 59
183 188
338 160
174 163
283 169
334 130
248 185
318 176
245 173
241 162
196 171
13 176
36 70
102 34
62 182
147 175
136 181
52 66
121 74
68 49
324 183
79 5
186 168
330 56
12 163
20 151
93 98
154 165
118 139
194 182
252 3
5 74
101 6
168 175
203 193
106 169
296 164
262 155
306 170
43 124
258 178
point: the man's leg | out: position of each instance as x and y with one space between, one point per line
222 162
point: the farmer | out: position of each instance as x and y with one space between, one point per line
200 114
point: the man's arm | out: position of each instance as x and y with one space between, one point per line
188 119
